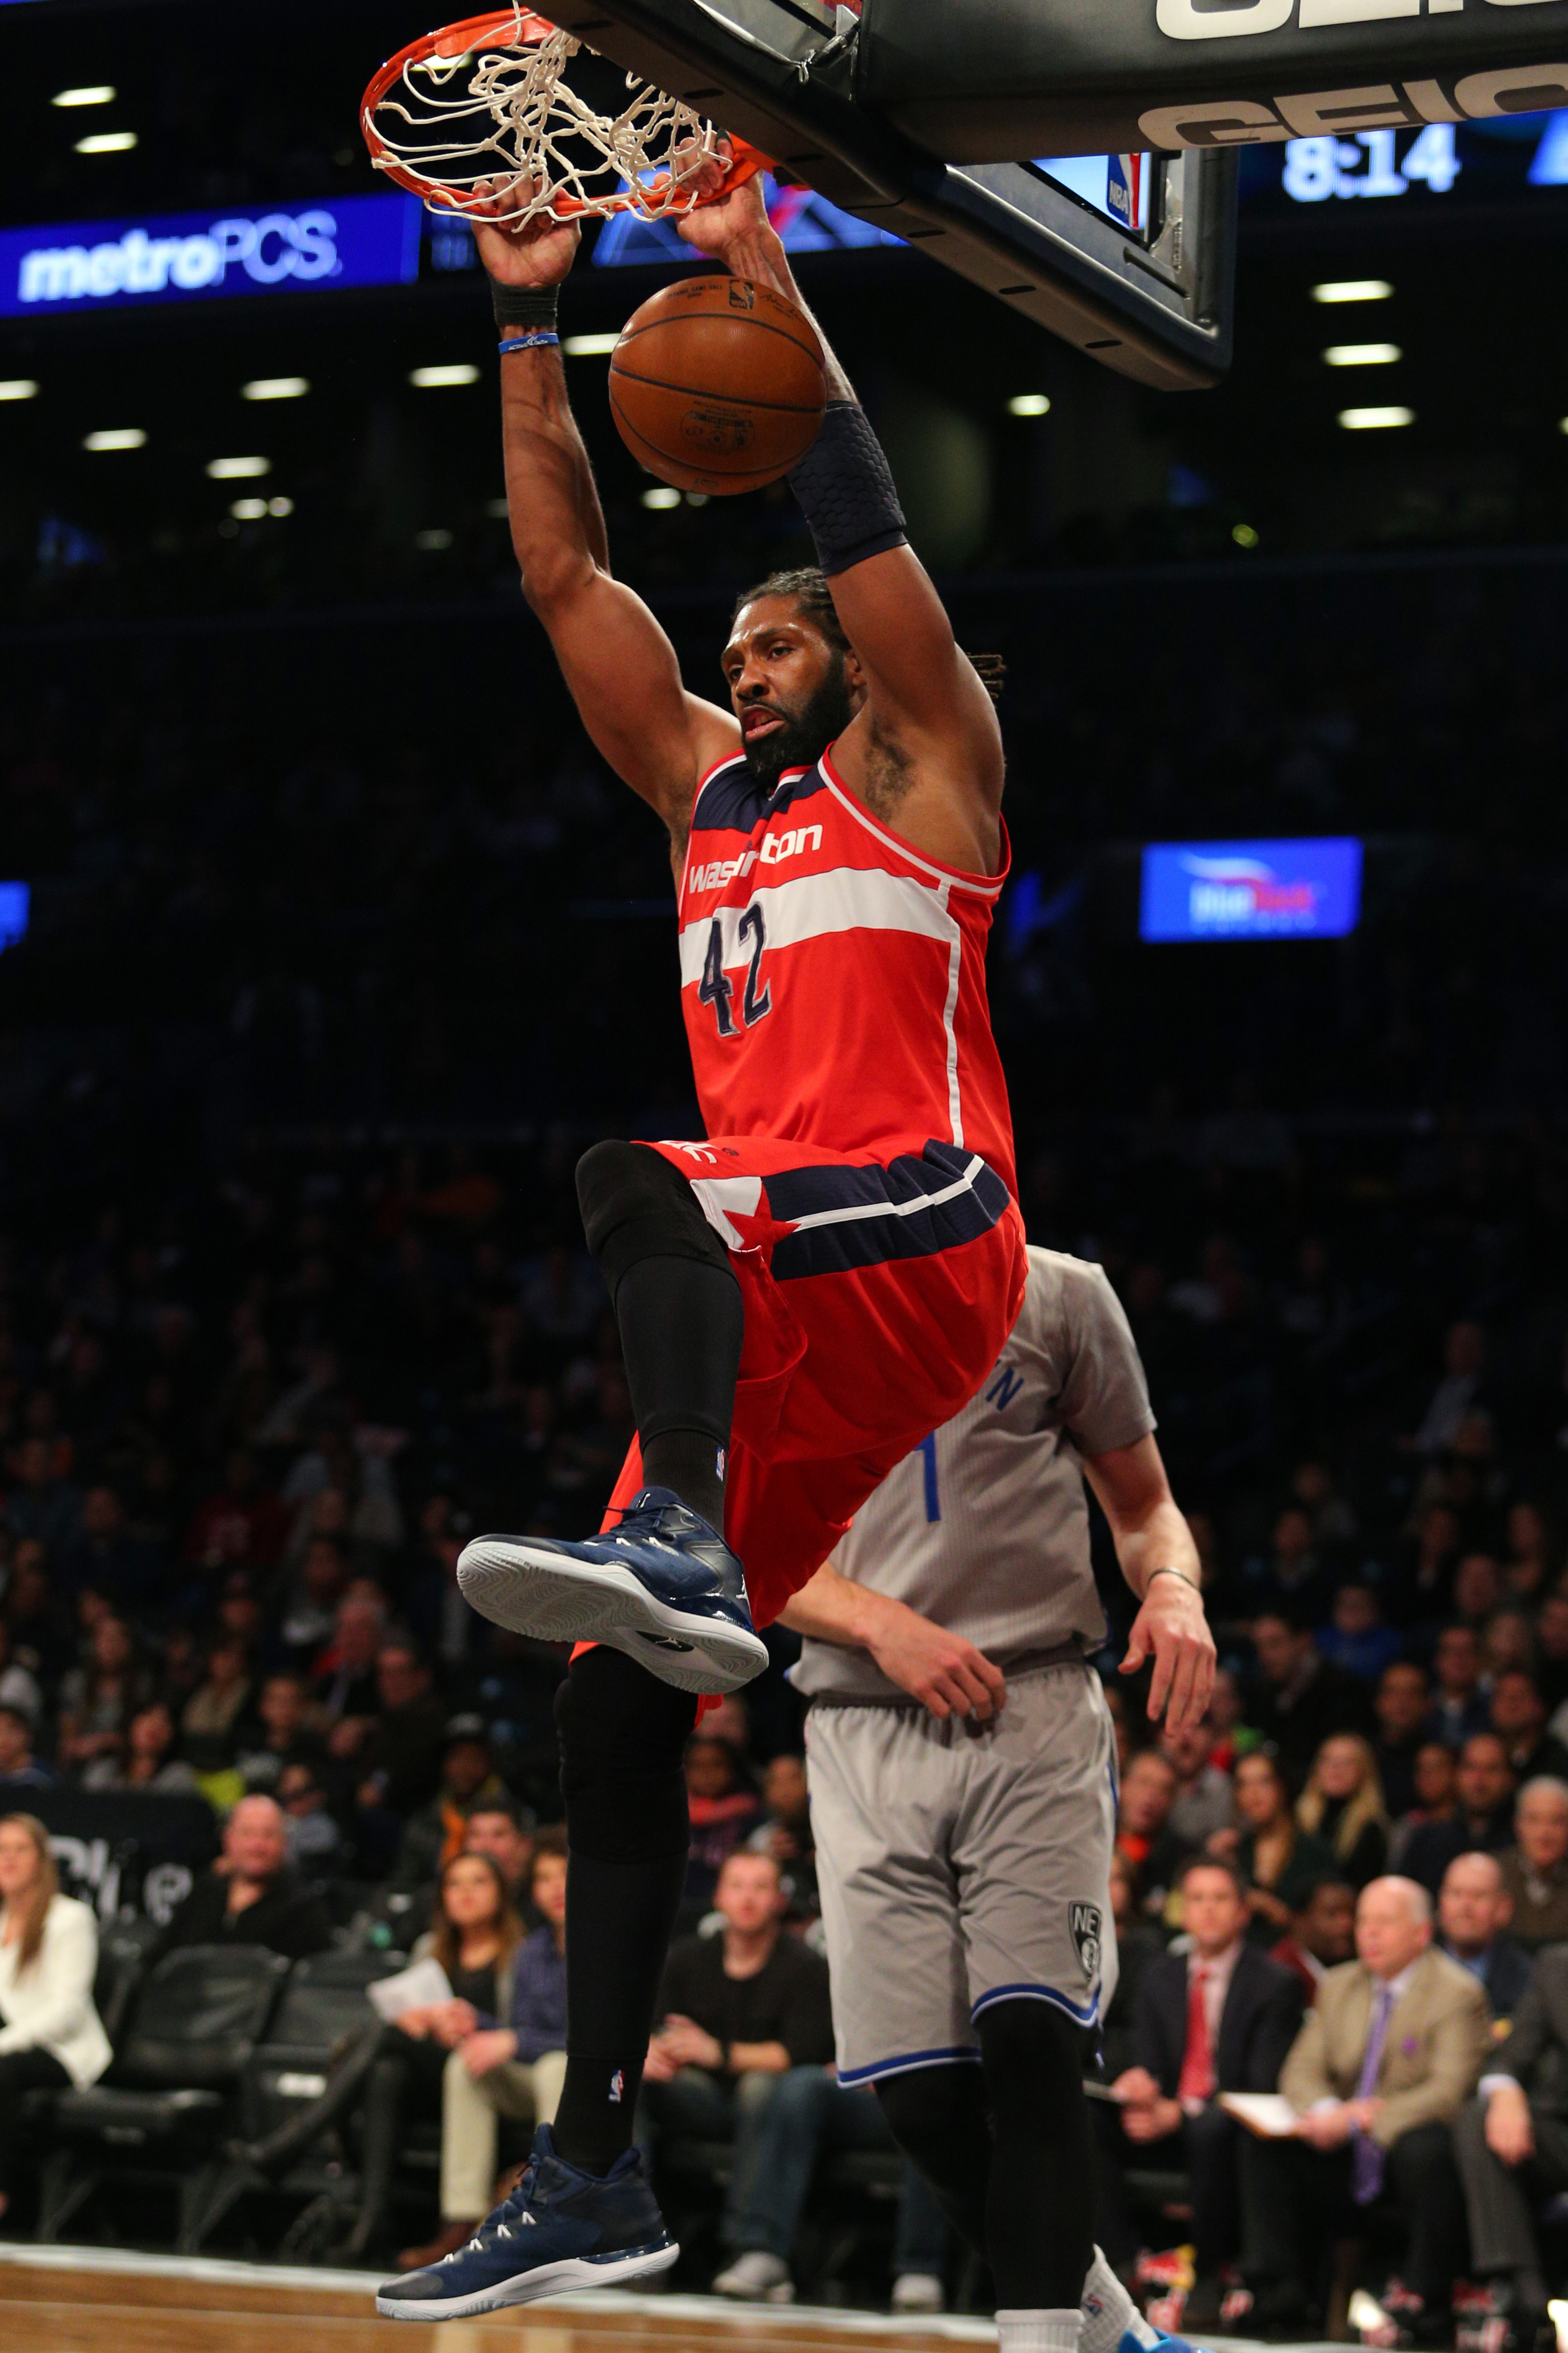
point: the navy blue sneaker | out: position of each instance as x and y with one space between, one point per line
664 1587
560 2228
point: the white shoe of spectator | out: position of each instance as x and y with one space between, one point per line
756 2277
918 2292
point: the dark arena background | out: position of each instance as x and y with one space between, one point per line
327 944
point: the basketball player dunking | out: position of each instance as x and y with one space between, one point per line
829 1274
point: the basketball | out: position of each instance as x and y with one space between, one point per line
717 384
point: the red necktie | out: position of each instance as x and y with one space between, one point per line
1197 2060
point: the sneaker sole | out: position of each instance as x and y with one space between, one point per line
539 1594
550 2279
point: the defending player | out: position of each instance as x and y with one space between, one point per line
962 1787
806 1293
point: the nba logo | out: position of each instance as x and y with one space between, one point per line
617 2085
1126 188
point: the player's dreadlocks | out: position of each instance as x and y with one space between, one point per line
808 588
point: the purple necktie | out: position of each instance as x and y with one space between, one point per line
1366 2157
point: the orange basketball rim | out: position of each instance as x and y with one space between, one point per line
486 98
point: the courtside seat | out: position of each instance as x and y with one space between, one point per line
323 2006
121 1960
171 2085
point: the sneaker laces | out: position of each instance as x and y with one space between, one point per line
495 2227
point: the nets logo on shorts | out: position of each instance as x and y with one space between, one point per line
1084 1920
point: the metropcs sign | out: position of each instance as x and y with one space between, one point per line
358 241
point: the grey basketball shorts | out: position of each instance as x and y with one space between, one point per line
960 1868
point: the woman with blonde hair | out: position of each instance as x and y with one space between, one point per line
51 2036
1342 1802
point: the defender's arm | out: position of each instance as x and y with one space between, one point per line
620 666
944 1673
1150 1537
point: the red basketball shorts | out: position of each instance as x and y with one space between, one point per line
877 1297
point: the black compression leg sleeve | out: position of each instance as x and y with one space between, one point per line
622 1737
677 1307
1039 2209
938 2116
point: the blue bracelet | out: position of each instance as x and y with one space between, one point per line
525 342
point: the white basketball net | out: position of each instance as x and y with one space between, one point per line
525 125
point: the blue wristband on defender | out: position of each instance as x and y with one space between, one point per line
525 343
845 489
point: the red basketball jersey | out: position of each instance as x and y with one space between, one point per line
833 979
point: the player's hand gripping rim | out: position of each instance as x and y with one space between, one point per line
1171 1629
526 253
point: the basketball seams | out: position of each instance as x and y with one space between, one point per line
721 400
708 396
745 322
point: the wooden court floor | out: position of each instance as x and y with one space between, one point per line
81 2300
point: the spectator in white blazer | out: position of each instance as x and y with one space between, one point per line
50 2036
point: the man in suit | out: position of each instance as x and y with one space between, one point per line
1473 1914
1483 1824
1512 2145
1218 2018
1384 2063
1535 1868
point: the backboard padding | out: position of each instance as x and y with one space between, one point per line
1161 316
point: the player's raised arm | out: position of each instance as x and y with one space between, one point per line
924 751
1160 1562
616 660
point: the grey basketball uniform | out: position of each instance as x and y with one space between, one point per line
963 1864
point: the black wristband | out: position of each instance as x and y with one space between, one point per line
523 306
846 491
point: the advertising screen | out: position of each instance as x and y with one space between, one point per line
190 256
1250 890
15 900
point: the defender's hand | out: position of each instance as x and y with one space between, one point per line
1171 1628
941 1669
535 253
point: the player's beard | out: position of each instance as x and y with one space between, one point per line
807 732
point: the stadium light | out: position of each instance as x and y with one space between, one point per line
1361 354
106 142
275 388
248 510
1375 420
237 470
18 387
436 379
661 500
589 347
97 93
1353 289
120 437
1245 535
280 506
1029 404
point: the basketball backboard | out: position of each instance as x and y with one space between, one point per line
1129 256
